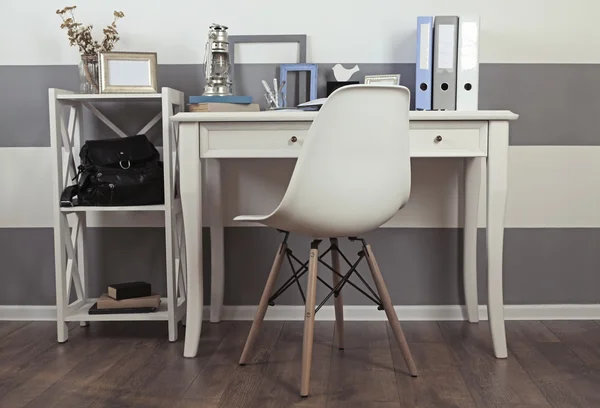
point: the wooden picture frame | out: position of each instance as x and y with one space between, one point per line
312 69
128 72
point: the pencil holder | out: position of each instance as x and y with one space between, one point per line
272 105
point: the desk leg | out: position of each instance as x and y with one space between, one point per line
191 205
217 270
473 168
497 185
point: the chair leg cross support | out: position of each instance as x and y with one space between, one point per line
334 290
381 298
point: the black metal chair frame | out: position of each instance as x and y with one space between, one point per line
297 273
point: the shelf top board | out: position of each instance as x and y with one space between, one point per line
107 97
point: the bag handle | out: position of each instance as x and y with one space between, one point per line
66 198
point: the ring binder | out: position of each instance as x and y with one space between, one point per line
424 63
444 61
467 76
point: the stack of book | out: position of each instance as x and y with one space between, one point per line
129 297
230 103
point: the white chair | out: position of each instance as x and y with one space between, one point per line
352 175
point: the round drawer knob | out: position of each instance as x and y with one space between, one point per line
294 139
438 138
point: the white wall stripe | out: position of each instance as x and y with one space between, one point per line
26 187
549 187
554 186
378 31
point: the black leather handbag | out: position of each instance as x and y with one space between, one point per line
117 172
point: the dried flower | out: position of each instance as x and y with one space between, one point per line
81 36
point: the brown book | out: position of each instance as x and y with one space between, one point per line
223 107
106 302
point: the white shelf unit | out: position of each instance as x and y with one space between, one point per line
67 137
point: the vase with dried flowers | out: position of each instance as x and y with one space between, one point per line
81 36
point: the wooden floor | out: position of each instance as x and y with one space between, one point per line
551 364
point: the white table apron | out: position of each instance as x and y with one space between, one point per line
480 138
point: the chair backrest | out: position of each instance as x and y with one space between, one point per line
353 172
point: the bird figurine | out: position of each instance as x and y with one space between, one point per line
342 74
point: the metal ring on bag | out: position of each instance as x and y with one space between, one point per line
123 167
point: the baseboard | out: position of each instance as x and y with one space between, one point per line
28 313
420 313
357 313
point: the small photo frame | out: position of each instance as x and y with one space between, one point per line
312 69
382 79
128 72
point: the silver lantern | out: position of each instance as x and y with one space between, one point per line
216 62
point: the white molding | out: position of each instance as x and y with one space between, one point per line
28 313
358 313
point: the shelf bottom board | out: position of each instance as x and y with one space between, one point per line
81 314
158 207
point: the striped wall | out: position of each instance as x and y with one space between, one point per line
538 60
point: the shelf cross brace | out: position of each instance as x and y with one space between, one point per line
180 259
72 272
115 128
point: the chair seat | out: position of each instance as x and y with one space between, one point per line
294 225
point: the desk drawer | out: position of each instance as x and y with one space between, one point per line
445 139
253 140
265 139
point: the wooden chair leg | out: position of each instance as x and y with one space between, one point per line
390 312
264 302
309 319
339 304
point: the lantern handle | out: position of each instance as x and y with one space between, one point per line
208 53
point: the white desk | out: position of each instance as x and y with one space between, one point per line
480 138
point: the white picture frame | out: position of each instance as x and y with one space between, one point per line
128 72
382 79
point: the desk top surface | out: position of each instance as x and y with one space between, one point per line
292 116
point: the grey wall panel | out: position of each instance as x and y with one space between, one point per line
557 103
113 255
420 265
24 114
26 266
552 265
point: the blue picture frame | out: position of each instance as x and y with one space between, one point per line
311 68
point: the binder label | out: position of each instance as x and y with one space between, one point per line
446 47
468 51
424 60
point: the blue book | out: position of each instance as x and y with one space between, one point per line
424 74
244 100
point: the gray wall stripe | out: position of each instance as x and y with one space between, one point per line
557 103
420 265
